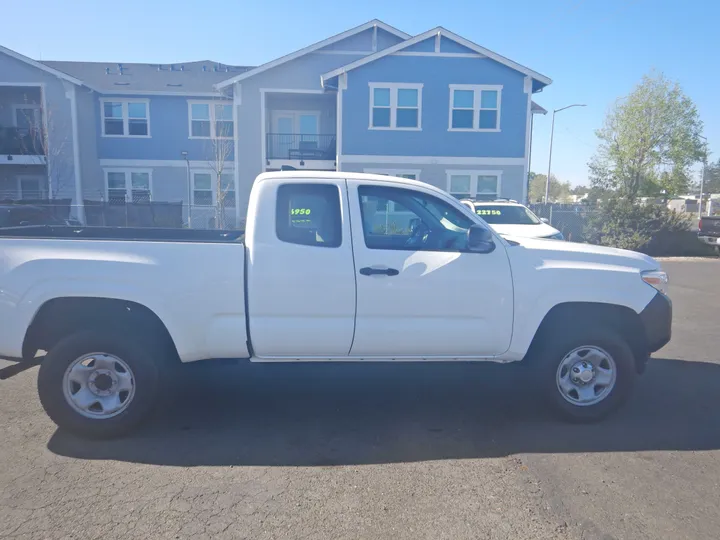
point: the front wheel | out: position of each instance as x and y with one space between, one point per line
98 385
586 374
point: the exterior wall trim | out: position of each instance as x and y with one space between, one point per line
237 101
342 85
150 163
375 23
527 88
439 54
432 160
70 92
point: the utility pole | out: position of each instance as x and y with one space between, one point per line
702 178
552 135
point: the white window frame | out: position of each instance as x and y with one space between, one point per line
394 87
395 172
211 106
41 180
128 181
37 114
125 117
477 89
474 174
226 172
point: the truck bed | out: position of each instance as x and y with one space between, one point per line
123 233
192 280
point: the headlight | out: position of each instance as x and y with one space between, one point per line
657 279
556 236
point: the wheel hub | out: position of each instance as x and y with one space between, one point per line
99 385
582 372
102 382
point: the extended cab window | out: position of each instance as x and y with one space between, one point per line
309 214
403 219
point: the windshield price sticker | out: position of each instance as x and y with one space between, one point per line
481 212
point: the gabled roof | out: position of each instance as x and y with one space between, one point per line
38 65
182 78
427 35
314 47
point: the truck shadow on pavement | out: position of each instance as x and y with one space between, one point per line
330 414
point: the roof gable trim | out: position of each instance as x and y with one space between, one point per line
38 65
439 31
312 48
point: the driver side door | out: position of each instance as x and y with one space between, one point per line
420 292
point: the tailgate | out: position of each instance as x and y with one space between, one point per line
710 226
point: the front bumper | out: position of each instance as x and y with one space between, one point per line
656 319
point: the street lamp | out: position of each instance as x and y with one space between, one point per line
184 154
702 177
552 134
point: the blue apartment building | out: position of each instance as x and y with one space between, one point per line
434 107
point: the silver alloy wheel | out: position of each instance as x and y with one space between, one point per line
586 375
99 385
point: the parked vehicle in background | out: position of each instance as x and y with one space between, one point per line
511 218
315 278
709 231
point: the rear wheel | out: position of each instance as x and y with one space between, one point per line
98 385
587 373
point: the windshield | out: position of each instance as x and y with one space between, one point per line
501 214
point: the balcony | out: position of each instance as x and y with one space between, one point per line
21 142
297 146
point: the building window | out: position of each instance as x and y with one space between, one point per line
478 185
128 185
474 107
392 206
395 106
204 192
210 120
129 118
202 189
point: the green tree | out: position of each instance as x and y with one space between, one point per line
648 142
712 178
559 191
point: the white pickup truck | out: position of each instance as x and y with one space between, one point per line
323 272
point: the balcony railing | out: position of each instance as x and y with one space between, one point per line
20 142
300 146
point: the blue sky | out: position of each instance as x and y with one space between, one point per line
594 50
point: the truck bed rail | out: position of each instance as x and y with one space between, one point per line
61 232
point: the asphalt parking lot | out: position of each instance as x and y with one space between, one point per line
385 451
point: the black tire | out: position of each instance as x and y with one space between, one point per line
139 355
564 341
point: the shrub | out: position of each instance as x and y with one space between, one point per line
651 229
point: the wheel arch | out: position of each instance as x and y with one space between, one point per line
572 315
59 317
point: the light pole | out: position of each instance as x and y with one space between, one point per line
184 154
702 177
552 134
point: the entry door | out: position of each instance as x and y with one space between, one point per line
419 292
292 128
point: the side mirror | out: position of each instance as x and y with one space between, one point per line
479 239
545 220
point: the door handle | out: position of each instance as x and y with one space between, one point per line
367 271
